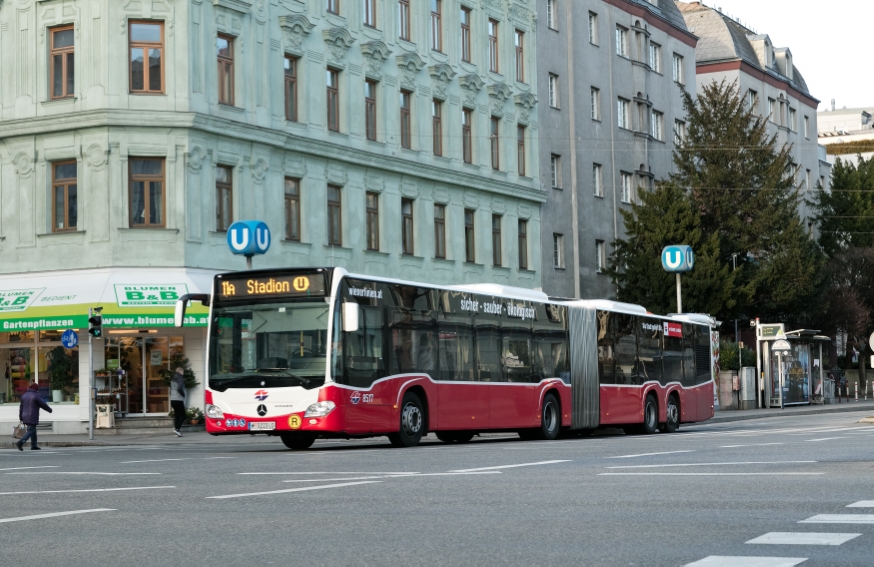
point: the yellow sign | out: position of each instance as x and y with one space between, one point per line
279 285
294 421
301 284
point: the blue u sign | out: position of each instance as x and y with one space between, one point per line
678 258
249 237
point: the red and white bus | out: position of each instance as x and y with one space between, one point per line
307 353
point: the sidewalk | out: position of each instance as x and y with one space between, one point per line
792 411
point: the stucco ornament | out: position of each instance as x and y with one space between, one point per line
195 158
339 40
23 164
259 167
410 64
525 103
295 29
375 53
498 94
95 156
441 75
470 86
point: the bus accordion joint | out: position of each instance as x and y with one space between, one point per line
182 305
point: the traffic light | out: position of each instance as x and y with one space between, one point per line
95 323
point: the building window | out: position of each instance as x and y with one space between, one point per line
598 179
495 141
467 135
806 127
807 180
290 88
553 91
623 110
332 6
146 192
793 124
292 209
333 84
437 126
497 243
772 111
406 134
550 14
520 149
523 244
679 74
621 41
439 231
370 109
62 58
520 56
679 132
558 250
600 256
370 13
436 25
593 28
626 180
469 234
224 196
372 207
65 196
656 125
404 19
225 49
752 99
335 226
493 46
407 225
146 57
642 117
655 57
596 104
465 34
555 170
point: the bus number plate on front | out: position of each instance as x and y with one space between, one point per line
262 426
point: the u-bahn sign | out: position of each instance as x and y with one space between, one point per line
249 237
678 258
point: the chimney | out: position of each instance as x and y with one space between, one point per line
833 105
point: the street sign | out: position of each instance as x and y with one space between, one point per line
249 237
69 339
781 345
678 258
770 330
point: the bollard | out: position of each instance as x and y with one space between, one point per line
847 392
857 391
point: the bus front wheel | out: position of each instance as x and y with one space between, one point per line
412 425
298 442
550 420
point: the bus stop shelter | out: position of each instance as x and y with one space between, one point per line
795 377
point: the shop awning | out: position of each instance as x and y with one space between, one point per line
130 297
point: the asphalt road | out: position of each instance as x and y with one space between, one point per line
708 491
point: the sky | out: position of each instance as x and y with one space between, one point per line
831 43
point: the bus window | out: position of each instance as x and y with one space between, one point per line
626 350
605 347
688 355
673 352
363 356
702 354
413 342
488 349
549 351
516 358
649 351
455 336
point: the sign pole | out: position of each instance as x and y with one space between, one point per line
90 382
248 261
678 259
679 295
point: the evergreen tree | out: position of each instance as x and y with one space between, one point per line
845 213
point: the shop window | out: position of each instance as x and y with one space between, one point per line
146 192
146 57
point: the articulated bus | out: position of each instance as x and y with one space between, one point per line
319 353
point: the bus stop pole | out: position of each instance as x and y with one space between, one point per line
679 295
91 388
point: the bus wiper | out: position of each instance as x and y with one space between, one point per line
286 373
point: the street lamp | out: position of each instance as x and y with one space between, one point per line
736 335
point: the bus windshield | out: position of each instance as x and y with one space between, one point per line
269 345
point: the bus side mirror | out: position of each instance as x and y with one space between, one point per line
350 317
182 305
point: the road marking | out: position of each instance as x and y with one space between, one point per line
839 519
338 479
55 515
392 476
650 454
87 490
730 561
96 473
803 538
22 468
711 464
333 452
323 472
511 466
294 489
709 474
825 439
152 461
751 445
862 504
213 458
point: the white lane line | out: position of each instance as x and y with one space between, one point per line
213 458
862 504
825 439
511 466
332 452
839 519
33 454
86 490
152 461
323 472
293 489
803 538
650 454
392 476
22 468
95 473
710 464
741 561
709 473
55 515
337 479
751 445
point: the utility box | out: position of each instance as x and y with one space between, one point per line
747 388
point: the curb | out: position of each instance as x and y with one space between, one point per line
744 416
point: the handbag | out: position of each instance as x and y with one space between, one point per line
18 431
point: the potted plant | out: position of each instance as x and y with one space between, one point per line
60 372
195 414
177 360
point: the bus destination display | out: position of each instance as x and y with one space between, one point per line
281 286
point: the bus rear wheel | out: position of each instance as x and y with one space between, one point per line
672 420
412 425
550 419
297 442
455 436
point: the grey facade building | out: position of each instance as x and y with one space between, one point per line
611 79
392 137
769 81
847 126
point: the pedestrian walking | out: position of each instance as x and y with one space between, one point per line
177 400
28 414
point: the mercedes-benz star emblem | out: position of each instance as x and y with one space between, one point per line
262 410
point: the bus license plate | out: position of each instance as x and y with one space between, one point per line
262 426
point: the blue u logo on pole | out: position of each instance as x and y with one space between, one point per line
249 237
678 258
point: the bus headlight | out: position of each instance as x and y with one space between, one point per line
319 409
214 412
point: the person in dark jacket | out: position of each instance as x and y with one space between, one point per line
28 413
177 400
